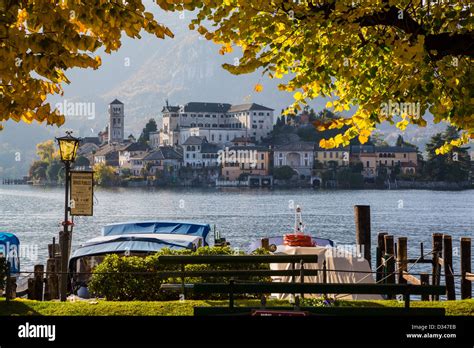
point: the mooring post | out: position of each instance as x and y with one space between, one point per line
402 259
425 280
38 282
31 289
390 261
380 253
8 290
448 267
52 279
437 252
362 223
466 285
265 243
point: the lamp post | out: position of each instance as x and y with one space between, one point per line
67 148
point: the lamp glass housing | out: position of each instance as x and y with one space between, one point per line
68 147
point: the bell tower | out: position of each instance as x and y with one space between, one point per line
116 122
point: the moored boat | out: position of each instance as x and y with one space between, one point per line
138 238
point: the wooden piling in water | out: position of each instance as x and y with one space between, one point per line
31 289
362 223
448 266
390 261
466 284
51 288
380 252
425 280
265 243
38 282
437 239
402 259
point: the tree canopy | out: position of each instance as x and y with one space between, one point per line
40 40
149 127
387 60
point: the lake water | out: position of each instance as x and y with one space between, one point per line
243 215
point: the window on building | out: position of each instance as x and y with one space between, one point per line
194 155
280 162
212 137
262 156
306 162
367 164
262 166
220 137
324 154
404 155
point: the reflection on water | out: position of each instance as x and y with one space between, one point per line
243 215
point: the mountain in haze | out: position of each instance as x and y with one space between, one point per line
145 73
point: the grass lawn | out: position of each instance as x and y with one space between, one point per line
101 307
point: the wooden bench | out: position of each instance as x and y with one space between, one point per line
183 260
406 290
234 287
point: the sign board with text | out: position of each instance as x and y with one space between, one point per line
82 193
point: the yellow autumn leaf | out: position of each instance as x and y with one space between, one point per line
363 139
298 96
258 88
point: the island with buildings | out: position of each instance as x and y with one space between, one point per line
219 144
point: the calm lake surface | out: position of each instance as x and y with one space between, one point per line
34 214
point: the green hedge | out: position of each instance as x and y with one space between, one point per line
119 278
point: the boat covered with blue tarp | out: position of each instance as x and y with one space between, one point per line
10 249
141 227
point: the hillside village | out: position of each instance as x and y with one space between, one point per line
239 145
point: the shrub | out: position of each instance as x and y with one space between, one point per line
135 278
283 173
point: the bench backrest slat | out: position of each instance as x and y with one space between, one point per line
317 288
209 259
238 273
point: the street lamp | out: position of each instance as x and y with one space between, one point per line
67 149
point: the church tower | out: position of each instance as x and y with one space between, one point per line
116 122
